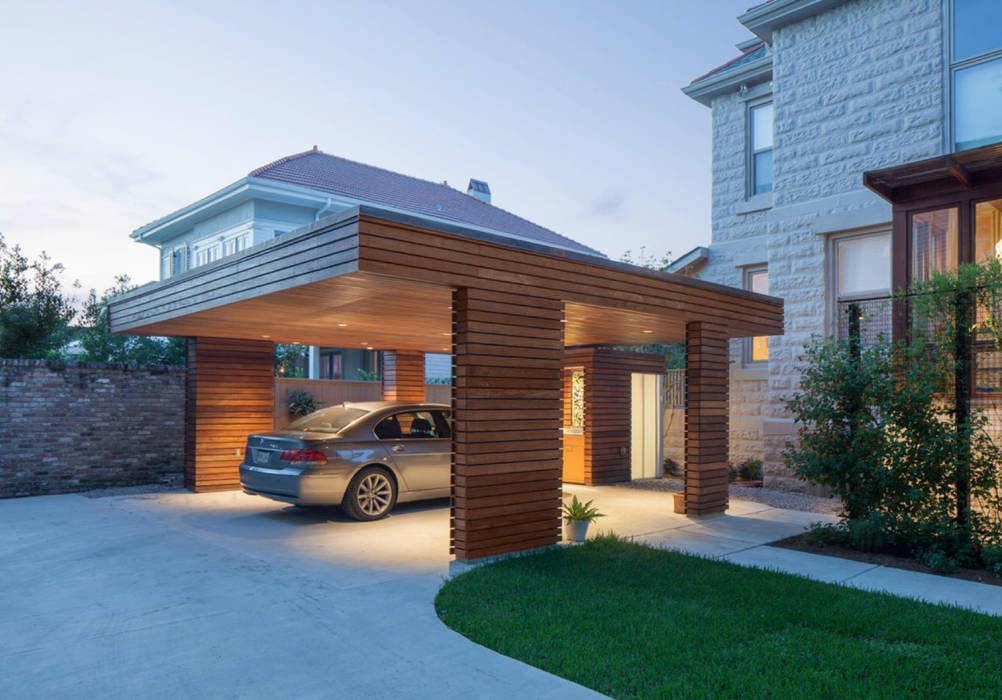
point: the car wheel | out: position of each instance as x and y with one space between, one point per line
370 495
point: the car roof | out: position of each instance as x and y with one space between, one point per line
372 406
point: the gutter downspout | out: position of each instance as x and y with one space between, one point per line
327 207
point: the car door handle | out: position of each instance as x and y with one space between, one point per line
398 448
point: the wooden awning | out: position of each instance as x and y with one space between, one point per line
955 172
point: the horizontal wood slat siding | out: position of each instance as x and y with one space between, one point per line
607 408
403 376
400 251
230 395
507 408
706 417
265 268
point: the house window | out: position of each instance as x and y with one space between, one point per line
976 72
331 365
177 261
860 274
756 350
760 140
934 243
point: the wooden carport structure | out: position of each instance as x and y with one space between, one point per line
505 308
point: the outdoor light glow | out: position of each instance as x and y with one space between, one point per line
648 331
342 325
265 336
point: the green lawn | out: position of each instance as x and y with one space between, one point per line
631 621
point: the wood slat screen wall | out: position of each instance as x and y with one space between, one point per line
230 395
316 254
607 408
425 256
403 375
706 417
507 396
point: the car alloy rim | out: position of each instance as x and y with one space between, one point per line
374 494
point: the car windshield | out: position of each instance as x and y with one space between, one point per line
328 420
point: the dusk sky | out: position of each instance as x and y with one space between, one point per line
115 114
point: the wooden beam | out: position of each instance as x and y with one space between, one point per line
959 173
506 404
706 419
230 395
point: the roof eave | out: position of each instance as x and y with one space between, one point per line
762 20
696 255
751 73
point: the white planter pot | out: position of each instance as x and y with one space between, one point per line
576 530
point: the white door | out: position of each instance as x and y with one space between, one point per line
646 415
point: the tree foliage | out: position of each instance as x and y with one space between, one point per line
34 312
886 429
101 345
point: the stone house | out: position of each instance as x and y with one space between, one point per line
823 91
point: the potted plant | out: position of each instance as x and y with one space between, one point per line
577 516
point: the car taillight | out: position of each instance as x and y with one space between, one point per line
311 456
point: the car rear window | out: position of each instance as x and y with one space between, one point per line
328 420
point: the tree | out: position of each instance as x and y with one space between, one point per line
647 259
101 345
34 313
290 360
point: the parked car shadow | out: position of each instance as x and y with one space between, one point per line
311 515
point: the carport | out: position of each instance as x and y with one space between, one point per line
507 309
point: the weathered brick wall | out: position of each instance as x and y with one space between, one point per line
75 426
855 88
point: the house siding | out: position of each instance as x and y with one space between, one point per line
855 88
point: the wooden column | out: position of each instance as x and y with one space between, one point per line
230 395
403 375
506 400
706 472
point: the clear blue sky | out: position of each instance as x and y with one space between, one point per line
114 114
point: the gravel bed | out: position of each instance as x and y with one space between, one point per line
777 498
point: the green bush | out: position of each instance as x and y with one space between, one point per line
877 426
302 403
992 558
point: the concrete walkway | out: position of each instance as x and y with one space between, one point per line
742 535
182 595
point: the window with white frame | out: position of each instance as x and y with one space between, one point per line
178 261
760 143
860 278
756 350
976 72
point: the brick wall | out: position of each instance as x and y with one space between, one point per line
74 426
855 88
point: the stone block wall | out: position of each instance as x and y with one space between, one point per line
855 88
74 426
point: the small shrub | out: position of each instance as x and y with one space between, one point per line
992 558
670 467
827 534
869 534
302 403
751 470
937 560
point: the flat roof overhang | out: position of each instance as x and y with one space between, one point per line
956 172
375 277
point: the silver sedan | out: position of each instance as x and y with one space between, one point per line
365 457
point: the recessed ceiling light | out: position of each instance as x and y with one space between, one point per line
563 320
265 336
342 325
648 331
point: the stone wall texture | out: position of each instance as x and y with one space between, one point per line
855 88
72 426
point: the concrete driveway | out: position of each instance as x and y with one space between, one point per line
180 595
